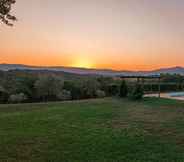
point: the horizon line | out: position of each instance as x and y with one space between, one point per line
85 68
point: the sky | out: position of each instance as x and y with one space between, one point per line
110 34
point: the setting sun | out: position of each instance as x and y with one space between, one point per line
82 63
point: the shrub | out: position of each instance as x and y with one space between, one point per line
76 92
3 95
89 88
75 88
17 98
123 89
64 95
136 93
113 90
48 87
100 94
104 83
68 85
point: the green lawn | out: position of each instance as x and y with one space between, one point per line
102 130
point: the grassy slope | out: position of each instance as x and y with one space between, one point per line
105 130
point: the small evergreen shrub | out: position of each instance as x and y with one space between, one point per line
113 90
136 93
123 89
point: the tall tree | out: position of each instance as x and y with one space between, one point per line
48 87
123 89
5 8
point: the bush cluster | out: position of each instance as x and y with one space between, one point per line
17 98
42 86
134 92
20 87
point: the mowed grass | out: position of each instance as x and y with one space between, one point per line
102 130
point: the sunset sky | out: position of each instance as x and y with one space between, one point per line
113 34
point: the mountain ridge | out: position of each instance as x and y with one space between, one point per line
87 71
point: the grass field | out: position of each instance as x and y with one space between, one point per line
102 130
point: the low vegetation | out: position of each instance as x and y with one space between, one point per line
19 86
93 130
136 93
43 86
25 87
123 89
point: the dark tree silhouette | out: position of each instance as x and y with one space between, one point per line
5 8
123 89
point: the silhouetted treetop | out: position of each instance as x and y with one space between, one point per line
5 8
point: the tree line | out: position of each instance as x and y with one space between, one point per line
29 86
43 86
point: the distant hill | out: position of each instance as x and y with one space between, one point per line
85 71
172 70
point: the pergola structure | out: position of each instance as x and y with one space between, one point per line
141 78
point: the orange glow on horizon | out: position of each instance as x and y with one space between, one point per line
82 63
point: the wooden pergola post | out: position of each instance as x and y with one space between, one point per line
141 78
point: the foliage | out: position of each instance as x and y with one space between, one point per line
137 92
48 87
64 95
123 89
82 89
3 95
17 98
104 83
45 85
23 85
74 88
113 89
68 85
5 8
165 87
89 88
175 78
39 86
100 94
